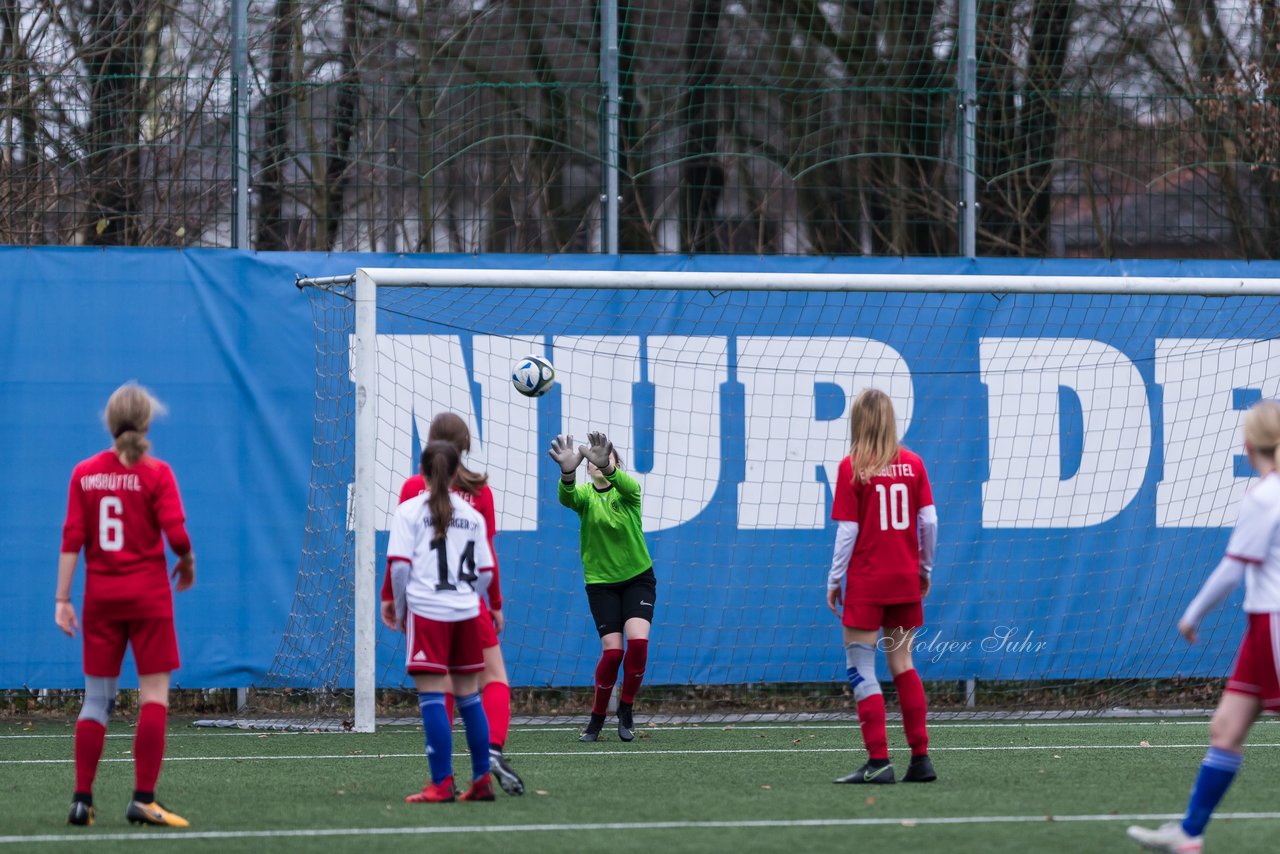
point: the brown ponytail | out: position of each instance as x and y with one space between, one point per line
448 427
440 463
128 418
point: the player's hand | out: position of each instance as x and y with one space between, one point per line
926 582
563 452
1188 631
498 620
834 597
389 615
599 453
184 572
64 614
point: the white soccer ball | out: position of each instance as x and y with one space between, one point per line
533 376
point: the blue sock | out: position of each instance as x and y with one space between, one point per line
1216 773
477 725
435 725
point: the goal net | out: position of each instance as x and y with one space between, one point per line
1082 437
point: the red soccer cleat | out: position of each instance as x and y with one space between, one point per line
434 793
481 790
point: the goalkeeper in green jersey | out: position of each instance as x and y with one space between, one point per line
621 588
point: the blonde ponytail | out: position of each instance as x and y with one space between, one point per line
128 418
873 434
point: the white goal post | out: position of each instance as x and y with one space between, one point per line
366 284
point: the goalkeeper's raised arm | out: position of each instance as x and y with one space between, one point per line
617 569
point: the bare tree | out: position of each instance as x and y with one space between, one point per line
120 45
1018 137
273 232
757 126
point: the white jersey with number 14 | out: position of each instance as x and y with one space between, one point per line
444 571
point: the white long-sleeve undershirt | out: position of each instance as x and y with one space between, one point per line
927 522
846 536
399 584
1218 586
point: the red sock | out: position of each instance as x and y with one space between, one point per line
606 676
448 707
633 668
148 745
915 710
871 719
496 699
90 737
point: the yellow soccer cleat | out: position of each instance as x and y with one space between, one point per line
154 813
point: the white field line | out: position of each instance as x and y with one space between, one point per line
417 830
639 752
704 728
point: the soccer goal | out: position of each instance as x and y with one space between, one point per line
1082 435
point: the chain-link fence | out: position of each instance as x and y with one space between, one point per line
1096 128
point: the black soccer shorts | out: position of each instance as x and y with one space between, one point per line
614 603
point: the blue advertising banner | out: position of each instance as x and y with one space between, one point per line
1084 453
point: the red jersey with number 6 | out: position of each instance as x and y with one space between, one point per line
117 513
884 568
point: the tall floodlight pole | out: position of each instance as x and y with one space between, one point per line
609 79
240 121
967 83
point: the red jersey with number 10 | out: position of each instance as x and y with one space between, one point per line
117 513
884 568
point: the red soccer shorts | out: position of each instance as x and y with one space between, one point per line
869 618
1255 671
435 646
154 642
488 634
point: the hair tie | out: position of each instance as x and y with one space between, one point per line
124 428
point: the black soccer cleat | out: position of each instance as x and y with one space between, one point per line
502 771
626 722
592 732
80 814
920 770
873 774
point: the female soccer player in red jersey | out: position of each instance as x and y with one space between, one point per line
120 503
886 532
495 687
437 548
1253 554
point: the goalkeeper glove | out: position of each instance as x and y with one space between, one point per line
563 453
599 453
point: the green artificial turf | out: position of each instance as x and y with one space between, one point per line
760 781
